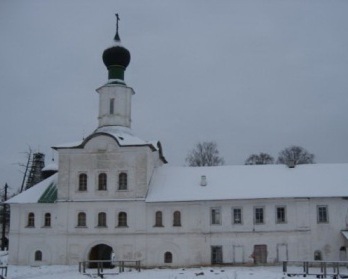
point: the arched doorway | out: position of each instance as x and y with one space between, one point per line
100 252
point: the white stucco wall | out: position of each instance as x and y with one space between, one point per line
190 244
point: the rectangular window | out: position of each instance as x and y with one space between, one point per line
216 216
280 214
237 215
322 214
259 215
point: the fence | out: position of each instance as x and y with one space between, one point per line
100 266
320 269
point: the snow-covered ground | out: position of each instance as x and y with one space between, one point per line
71 272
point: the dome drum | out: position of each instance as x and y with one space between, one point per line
116 72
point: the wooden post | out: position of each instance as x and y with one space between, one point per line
305 268
284 267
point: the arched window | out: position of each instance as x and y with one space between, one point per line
168 257
122 219
317 256
81 219
38 255
177 219
83 182
122 181
31 219
102 182
158 221
101 219
47 220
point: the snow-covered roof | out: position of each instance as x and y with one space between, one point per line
123 135
248 182
37 192
51 167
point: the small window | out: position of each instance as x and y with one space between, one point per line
215 216
158 221
47 222
102 182
112 105
177 219
122 219
122 181
280 214
38 255
101 219
83 182
322 214
317 256
81 219
31 220
259 215
237 216
168 257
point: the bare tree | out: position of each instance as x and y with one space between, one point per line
259 159
204 154
295 155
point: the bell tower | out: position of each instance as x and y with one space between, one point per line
115 97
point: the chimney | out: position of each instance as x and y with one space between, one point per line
203 180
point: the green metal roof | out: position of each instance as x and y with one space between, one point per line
50 194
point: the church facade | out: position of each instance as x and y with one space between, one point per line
113 194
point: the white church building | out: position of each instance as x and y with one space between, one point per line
113 194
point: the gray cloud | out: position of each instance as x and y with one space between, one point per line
252 75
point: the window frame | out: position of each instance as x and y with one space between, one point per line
47 220
234 222
168 257
83 180
215 216
102 181
81 219
31 220
122 219
322 219
122 181
280 219
177 218
259 220
158 219
38 256
217 256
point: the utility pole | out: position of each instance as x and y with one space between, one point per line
4 221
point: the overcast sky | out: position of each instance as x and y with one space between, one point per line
254 76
